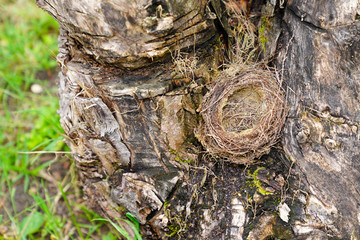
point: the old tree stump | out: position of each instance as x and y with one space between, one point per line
132 84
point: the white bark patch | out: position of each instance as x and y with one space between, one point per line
238 219
284 211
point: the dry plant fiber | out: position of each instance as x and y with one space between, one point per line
242 115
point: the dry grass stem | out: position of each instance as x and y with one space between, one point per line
242 114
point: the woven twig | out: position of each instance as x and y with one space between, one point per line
242 115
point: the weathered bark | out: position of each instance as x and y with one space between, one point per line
320 57
132 34
121 124
129 115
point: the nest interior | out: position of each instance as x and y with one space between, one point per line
242 115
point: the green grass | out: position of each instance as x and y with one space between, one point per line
35 204
133 223
28 121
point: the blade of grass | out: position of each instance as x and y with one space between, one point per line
31 224
53 226
120 229
71 211
134 224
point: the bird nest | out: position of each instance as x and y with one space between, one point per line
242 116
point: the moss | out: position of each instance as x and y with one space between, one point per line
256 182
121 209
262 39
265 25
172 151
176 226
277 201
178 157
174 229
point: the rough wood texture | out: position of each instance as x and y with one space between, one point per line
321 59
114 131
113 117
132 34
129 116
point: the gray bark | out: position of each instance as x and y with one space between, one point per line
321 62
128 108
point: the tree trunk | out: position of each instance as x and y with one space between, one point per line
133 76
321 62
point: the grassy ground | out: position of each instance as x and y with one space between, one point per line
39 198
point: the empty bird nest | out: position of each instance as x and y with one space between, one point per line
242 115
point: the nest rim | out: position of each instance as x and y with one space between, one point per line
242 146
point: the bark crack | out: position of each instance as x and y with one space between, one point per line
121 122
309 24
